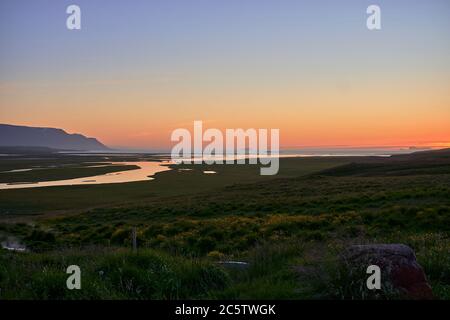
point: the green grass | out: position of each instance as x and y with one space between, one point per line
108 274
51 200
281 270
290 228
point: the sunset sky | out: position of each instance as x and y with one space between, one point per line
139 69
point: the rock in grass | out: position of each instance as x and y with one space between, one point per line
397 262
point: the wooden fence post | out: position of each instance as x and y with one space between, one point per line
134 237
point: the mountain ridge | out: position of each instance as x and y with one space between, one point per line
56 138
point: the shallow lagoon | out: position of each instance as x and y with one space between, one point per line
145 172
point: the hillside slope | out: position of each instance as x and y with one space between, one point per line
22 136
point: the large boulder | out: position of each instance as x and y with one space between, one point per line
397 263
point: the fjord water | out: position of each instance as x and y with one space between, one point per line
145 171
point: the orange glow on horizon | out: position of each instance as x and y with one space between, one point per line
407 112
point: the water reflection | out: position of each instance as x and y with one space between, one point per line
144 173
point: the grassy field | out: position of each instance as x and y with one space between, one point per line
53 200
289 228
